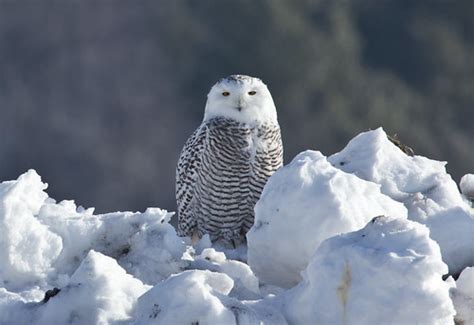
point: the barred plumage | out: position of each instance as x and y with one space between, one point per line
223 168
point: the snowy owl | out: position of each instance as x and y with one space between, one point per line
226 162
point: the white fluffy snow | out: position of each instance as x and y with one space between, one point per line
304 203
387 273
428 192
27 247
314 217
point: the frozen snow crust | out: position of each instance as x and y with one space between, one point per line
315 254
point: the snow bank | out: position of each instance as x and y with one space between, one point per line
303 204
387 273
43 242
27 247
46 244
99 292
463 297
428 192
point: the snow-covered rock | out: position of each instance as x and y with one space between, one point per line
463 297
191 297
303 204
99 292
386 273
423 185
27 247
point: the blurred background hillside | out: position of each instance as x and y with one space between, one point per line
100 96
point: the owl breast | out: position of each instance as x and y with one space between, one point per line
237 161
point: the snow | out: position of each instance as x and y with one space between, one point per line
99 292
467 186
386 273
463 297
303 204
192 297
246 284
315 253
122 235
27 247
422 185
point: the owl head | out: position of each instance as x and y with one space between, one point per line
241 98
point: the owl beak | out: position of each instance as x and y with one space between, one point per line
239 106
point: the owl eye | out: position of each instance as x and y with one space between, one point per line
225 93
251 93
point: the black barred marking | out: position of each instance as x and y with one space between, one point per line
220 175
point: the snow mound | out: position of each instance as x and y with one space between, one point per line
202 297
303 204
245 282
27 247
467 186
463 297
423 185
43 242
191 297
99 292
386 273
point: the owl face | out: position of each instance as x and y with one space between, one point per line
242 98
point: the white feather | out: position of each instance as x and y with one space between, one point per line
254 109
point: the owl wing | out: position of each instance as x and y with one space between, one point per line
190 161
